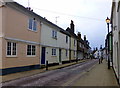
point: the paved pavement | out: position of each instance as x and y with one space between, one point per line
99 75
33 72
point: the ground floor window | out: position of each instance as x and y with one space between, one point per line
31 50
74 54
11 49
53 52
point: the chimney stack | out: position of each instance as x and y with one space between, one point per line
72 26
84 37
79 35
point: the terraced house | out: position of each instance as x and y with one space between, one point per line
73 42
55 44
80 47
19 38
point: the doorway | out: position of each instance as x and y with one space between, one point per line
60 55
43 55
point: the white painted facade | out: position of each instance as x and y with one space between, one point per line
63 45
116 38
58 43
73 48
80 53
104 54
97 54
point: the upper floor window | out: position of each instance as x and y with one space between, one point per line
32 24
54 34
11 49
31 50
74 54
74 43
66 39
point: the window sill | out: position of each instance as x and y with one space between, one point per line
32 30
54 38
54 56
11 56
31 55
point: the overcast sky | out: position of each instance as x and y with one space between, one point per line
88 15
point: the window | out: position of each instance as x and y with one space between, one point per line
66 53
74 53
11 49
74 42
54 34
53 52
31 49
66 39
32 24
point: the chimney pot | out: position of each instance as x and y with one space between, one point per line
84 37
72 26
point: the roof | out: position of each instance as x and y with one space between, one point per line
71 33
113 5
21 8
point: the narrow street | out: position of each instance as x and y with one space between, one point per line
60 77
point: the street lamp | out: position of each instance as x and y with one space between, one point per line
108 22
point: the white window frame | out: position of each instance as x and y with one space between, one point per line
32 24
74 42
11 55
31 50
54 52
54 34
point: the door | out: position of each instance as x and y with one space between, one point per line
60 55
43 55
70 55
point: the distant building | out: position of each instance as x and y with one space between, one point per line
87 48
80 47
103 53
97 54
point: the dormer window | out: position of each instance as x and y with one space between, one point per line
32 24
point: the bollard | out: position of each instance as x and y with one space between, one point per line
46 65
76 60
99 61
